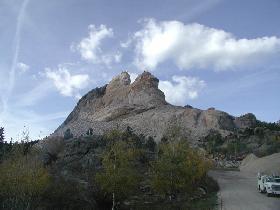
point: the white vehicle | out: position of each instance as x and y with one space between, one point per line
269 184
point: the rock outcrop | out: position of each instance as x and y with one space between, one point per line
142 106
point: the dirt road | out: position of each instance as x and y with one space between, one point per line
238 191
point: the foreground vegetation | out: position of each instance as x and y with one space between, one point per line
263 139
119 170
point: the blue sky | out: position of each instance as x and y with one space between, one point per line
208 53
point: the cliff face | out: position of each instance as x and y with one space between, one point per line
142 106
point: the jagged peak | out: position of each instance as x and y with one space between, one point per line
145 75
143 91
122 79
146 80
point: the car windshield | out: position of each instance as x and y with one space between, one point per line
271 179
277 180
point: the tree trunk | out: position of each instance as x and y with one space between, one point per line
113 206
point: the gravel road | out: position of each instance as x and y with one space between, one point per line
238 191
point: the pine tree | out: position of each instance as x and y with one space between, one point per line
68 134
2 137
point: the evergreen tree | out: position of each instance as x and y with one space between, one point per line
151 144
2 137
90 132
2 146
68 134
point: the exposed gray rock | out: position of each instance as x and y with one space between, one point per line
142 106
247 120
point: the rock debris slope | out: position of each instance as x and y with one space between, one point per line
268 164
142 106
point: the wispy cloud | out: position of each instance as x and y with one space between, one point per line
245 83
11 82
199 8
23 67
33 96
41 124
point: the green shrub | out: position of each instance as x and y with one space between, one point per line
151 144
65 194
89 132
271 126
2 136
23 180
68 134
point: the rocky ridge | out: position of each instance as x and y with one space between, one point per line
142 106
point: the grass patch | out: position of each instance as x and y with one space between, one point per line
210 202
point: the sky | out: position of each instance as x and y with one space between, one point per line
206 53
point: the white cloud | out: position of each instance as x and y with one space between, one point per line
198 46
126 44
23 67
90 47
181 88
67 84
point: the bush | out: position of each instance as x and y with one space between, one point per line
23 180
178 169
68 134
151 144
5 149
90 132
118 176
213 142
52 146
271 126
65 194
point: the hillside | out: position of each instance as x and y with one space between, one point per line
142 106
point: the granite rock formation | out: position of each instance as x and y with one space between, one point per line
142 106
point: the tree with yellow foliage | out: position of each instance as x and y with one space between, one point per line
118 176
178 167
23 179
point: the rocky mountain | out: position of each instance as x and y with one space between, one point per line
142 106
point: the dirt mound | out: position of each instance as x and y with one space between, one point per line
268 164
248 160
